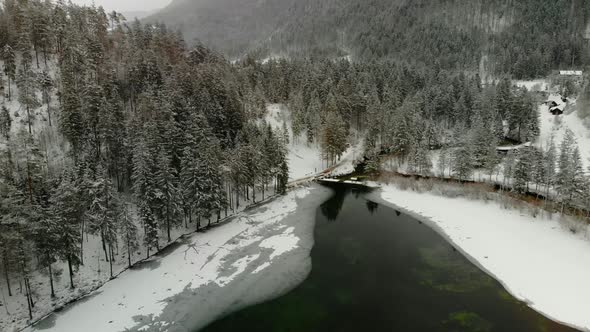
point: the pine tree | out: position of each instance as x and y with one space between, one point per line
462 163
5 122
491 158
522 170
538 175
9 58
283 177
47 245
579 180
128 231
27 91
333 137
46 84
70 118
565 174
150 226
508 169
103 213
13 216
443 162
66 209
549 167
166 190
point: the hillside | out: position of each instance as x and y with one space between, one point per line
524 38
231 26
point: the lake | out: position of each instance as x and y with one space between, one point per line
377 269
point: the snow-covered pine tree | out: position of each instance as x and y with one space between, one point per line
522 170
103 212
5 122
9 58
166 191
508 167
70 116
66 209
285 134
565 174
13 224
443 162
128 230
538 175
462 163
45 84
26 82
579 181
549 166
150 225
491 160
46 237
142 176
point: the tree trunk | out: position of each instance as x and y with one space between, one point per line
168 222
29 301
111 260
29 120
128 251
36 56
45 56
104 245
82 241
71 271
49 114
50 276
6 275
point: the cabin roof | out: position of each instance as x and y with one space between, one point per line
571 72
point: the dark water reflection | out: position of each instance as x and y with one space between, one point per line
376 269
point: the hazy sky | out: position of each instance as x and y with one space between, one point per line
126 5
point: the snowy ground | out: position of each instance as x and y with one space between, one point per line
538 85
94 273
556 126
262 252
304 159
550 125
536 260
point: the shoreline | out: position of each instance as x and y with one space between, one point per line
460 245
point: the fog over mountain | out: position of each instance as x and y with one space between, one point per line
131 7
521 37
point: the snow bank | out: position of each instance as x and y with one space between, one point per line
212 272
304 159
536 260
534 85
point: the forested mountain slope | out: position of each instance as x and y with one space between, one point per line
231 26
114 137
524 38
119 132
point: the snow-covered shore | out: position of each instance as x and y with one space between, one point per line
222 270
535 259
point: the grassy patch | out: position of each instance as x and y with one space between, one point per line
445 271
467 321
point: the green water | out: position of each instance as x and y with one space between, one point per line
376 269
